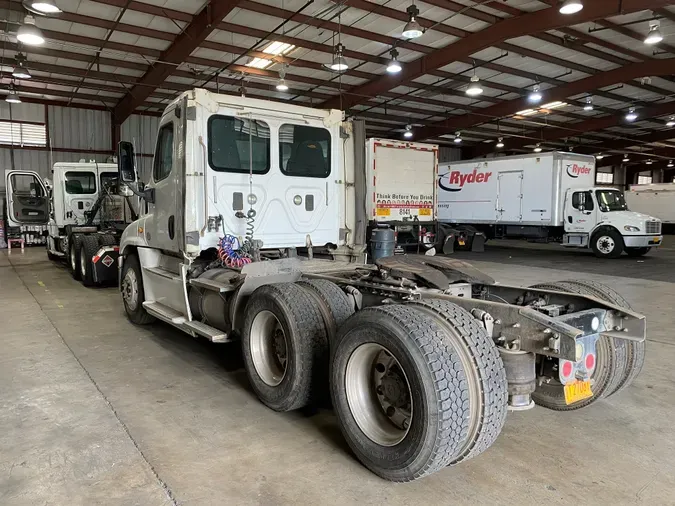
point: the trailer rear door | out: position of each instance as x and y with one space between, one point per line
510 199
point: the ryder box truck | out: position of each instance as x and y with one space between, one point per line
543 196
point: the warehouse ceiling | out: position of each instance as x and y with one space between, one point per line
591 68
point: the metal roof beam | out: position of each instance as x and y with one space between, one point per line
533 22
201 26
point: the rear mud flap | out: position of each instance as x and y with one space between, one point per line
105 265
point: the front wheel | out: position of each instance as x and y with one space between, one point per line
607 243
637 252
133 293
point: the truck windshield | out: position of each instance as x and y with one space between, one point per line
611 200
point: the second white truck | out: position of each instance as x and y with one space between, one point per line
544 197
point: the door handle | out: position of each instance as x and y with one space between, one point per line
171 226
569 219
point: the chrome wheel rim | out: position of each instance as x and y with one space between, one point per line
378 394
269 348
130 290
605 244
73 263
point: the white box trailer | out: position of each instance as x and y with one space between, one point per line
401 178
543 196
654 199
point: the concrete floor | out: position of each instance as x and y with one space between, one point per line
94 410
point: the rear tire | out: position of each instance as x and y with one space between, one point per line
74 246
133 293
611 360
637 252
607 243
283 341
484 370
399 392
335 305
107 240
87 251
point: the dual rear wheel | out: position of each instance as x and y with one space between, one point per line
416 387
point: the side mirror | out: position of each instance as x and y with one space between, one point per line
124 191
126 162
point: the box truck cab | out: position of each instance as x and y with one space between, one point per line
548 196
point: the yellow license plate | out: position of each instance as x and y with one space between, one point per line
383 212
578 391
461 242
425 212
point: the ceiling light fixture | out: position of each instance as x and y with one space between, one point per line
20 71
535 96
599 156
43 6
13 97
281 83
500 142
671 122
474 88
571 7
670 164
394 66
339 63
589 104
408 132
654 36
625 158
631 115
649 162
30 34
458 138
537 148
412 28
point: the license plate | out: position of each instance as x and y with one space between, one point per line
577 391
425 212
383 212
461 242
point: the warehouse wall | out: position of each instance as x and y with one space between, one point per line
73 134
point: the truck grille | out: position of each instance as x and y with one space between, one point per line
653 227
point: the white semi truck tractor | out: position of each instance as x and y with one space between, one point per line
253 228
83 211
543 197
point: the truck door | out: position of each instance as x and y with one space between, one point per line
160 226
80 192
580 211
27 199
510 197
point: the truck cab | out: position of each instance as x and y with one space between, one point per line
598 217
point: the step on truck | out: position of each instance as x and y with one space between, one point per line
543 197
84 213
254 229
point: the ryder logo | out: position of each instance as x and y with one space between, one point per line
454 180
574 170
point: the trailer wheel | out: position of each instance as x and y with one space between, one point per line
486 377
107 240
611 361
87 251
333 303
637 252
607 243
74 246
282 343
400 392
133 293
635 351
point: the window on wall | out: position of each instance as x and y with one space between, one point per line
644 178
604 178
304 151
19 133
239 145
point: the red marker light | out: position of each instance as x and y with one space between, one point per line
590 361
567 369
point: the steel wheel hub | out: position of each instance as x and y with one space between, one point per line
378 394
130 290
606 244
269 348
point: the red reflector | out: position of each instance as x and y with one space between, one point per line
590 361
567 369
95 259
116 248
